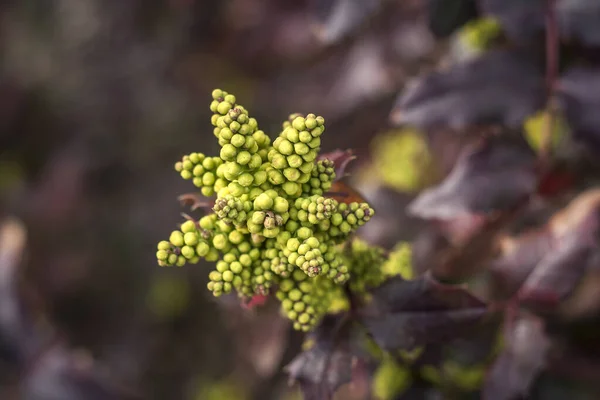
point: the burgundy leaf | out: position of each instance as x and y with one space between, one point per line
328 364
406 314
340 158
518 258
578 20
492 174
523 20
500 87
575 251
557 275
579 95
338 18
520 362
445 17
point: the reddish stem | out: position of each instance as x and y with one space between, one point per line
551 76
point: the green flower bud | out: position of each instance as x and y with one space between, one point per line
298 123
198 170
208 179
278 161
270 233
307 168
215 276
245 260
212 256
255 161
202 249
228 276
286 147
312 242
291 134
187 165
310 123
250 143
305 137
233 169
162 255
345 227
220 241
295 295
190 238
188 226
188 252
260 177
195 158
178 166
223 107
185 174
291 188
228 152
236 189
238 140
263 202
304 233
164 245
180 261
294 161
280 205
217 94
315 143
243 158
235 126
261 138
176 238
310 156
246 179
226 134
258 217
275 177
291 174
230 98
300 148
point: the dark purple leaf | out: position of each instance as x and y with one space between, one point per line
492 174
61 375
406 314
574 252
445 17
341 159
328 364
337 18
578 20
520 362
501 87
555 278
523 20
579 95
518 258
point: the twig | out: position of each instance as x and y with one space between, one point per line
551 76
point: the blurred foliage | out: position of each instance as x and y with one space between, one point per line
400 160
535 128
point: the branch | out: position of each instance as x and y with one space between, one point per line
552 53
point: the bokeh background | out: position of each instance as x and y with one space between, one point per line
98 99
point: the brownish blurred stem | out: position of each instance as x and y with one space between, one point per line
551 75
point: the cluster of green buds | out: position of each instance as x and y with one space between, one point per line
272 225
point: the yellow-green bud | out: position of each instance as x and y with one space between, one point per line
176 238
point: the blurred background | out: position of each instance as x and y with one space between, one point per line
98 99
